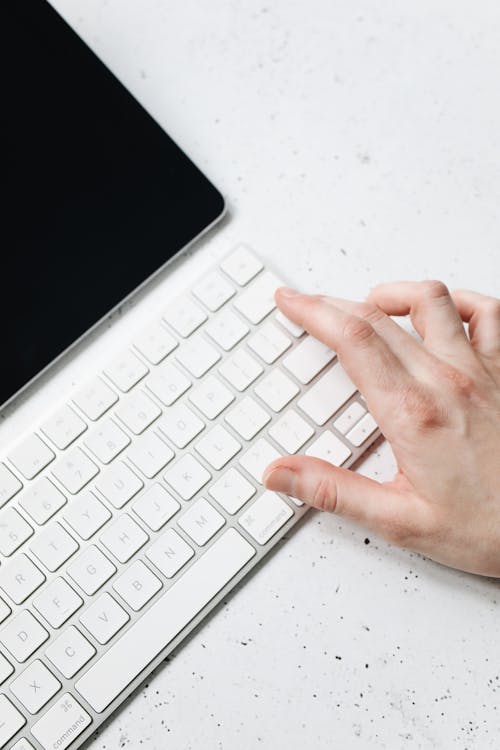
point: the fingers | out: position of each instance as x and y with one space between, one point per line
482 313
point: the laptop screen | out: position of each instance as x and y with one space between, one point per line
96 196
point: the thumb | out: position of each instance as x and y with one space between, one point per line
393 513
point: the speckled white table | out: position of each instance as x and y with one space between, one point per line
356 142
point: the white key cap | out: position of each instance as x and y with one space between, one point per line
22 744
23 635
247 418
35 686
86 515
197 356
211 397
167 617
232 490
187 476
4 611
19 578
74 470
362 431
106 441
169 553
241 369
327 395
258 457
104 618
269 342
91 570
119 484
155 507
217 447
63 427
154 343
241 265
11 721
150 454
31 456
290 326
258 300
201 521
70 652
41 500
295 501
126 370
307 359
53 546
57 602
137 412
124 538
6 668
276 390
349 417
9 485
213 291
180 425
14 531
265 516
184 316
291 431
226 329
95 398
137 585
62 724
329 448
168 383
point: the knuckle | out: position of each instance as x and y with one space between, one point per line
460 383
356 330
325 495
368 311
434 289
422 408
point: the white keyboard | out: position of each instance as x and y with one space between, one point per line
133 509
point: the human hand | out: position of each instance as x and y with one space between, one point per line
437 401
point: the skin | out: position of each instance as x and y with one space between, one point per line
437 402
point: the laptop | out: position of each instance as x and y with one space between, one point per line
132 503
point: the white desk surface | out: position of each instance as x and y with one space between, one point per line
356 142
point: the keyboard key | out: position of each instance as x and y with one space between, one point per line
104 618
35 686
126 370
241 369
217 447
19 578
11 721
327 395
362 431
63 427
86 515
226 329
329 448
23 635
265 516
201 521
74 470
197 356
123 538
22 744
247 418
258 457
31 456
164 620
4 611
6 670
137 412
187 476
184 316
169 553
291 431
119 484
70 652
150 454
14 531
307 359
95 398
232 490
41 500
211 397
276 390
106 441
91 570
53 546
213 291
168 383
180 425
241 265
155 507
258 300
9 485
57 602
62 724
137 585
155 343
269 342
290 326
349 417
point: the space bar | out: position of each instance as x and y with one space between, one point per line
146 638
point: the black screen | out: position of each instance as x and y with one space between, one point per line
96 196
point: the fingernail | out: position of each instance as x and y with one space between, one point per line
280 479
285 291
